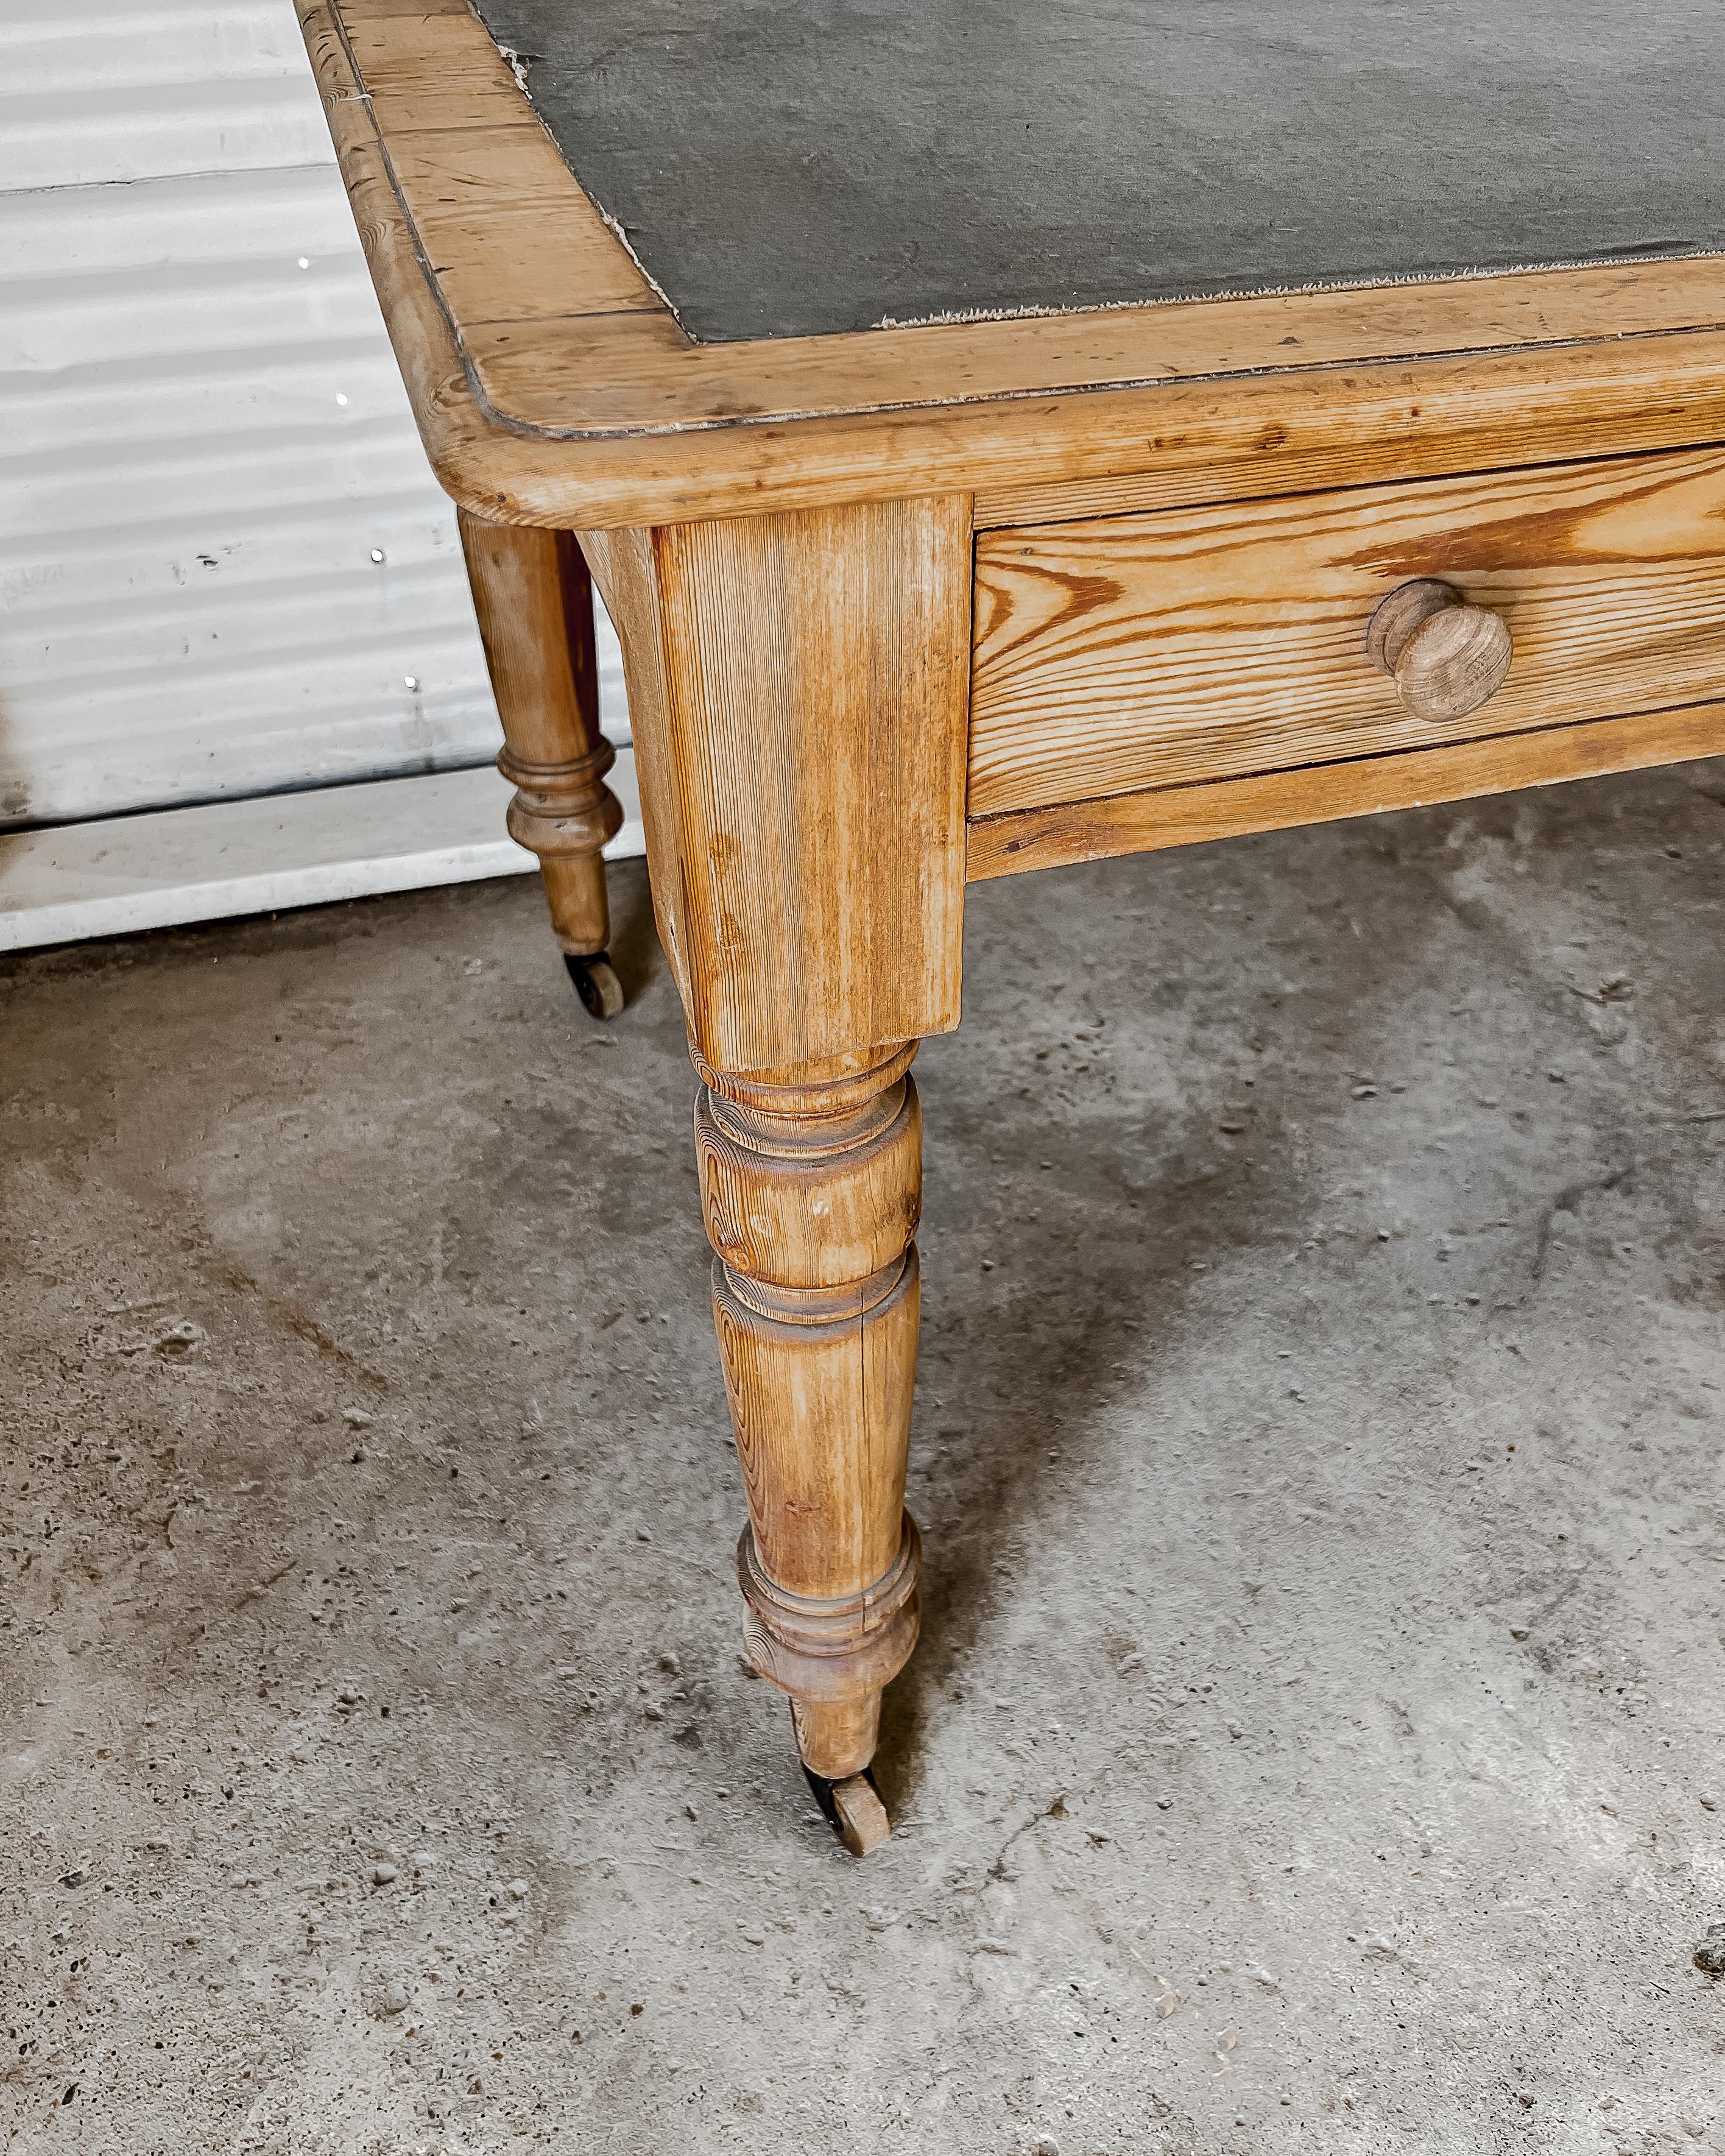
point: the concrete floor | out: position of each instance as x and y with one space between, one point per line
1316 1738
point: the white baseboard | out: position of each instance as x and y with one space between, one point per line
229 858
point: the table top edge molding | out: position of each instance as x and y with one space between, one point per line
615 418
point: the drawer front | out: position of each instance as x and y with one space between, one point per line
1127 652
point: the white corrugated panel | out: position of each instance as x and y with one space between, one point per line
224 567
131 89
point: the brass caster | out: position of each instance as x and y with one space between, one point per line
853 1809
596 983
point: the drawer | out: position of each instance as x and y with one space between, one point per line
1129 652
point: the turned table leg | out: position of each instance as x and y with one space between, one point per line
811 1184
797 685
534 600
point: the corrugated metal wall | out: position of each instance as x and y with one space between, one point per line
224 567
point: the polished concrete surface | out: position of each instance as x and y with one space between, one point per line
1316 1738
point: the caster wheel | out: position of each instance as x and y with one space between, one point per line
596 984
853 1809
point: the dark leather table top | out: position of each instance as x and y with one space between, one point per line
783 167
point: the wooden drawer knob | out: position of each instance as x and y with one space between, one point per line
1446 657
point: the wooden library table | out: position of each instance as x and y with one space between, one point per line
1002 436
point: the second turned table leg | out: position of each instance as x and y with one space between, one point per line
811 1183
534 599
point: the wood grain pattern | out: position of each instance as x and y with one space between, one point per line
534 601
634 426
1431 418
596 372
1126 652
1447 659
368 10
824 1215
811 1190
797 685
491 209
1276 801
433 71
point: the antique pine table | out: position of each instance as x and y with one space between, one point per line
1010 434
